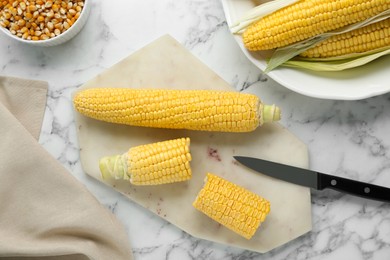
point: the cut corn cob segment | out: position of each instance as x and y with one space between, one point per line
207 110
238 209
365 39
308 18
151 164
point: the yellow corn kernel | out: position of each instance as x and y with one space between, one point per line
238 209
41 18
308 18
368 38
55 8
31 8
151 164
207 110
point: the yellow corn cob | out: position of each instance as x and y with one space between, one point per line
207 110
308 18
368 38
238 209
151 164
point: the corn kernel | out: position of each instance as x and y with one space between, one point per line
50 26
44 37
28 16
32 8
25 35
48 4
50 14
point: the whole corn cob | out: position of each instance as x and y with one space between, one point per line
238 209
308 18
150 164
368 38
206 110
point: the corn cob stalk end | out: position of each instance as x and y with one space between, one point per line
114 167
271 113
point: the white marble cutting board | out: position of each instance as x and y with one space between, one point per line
166 64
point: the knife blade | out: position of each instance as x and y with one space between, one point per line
315 180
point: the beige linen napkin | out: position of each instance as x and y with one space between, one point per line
45 213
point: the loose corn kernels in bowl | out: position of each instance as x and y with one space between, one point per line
39 20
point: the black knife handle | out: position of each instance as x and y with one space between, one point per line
357 188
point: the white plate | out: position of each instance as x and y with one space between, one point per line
353 84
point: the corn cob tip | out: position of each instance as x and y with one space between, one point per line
113 167
271 113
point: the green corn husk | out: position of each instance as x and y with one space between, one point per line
259 12
336 64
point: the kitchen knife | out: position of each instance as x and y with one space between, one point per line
315 180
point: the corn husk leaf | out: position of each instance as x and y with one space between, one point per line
257 13
335 65
281 55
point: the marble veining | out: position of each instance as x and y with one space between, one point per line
345 138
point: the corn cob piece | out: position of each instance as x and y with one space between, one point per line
206 110
368 38
308 18
238 209
150 164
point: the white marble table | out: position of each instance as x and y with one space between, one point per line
346 138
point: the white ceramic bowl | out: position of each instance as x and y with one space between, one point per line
63 37
362 82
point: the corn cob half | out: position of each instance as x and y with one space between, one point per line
207 110
238 209
365 39
308 18
150 164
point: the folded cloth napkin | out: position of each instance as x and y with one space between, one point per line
45 213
